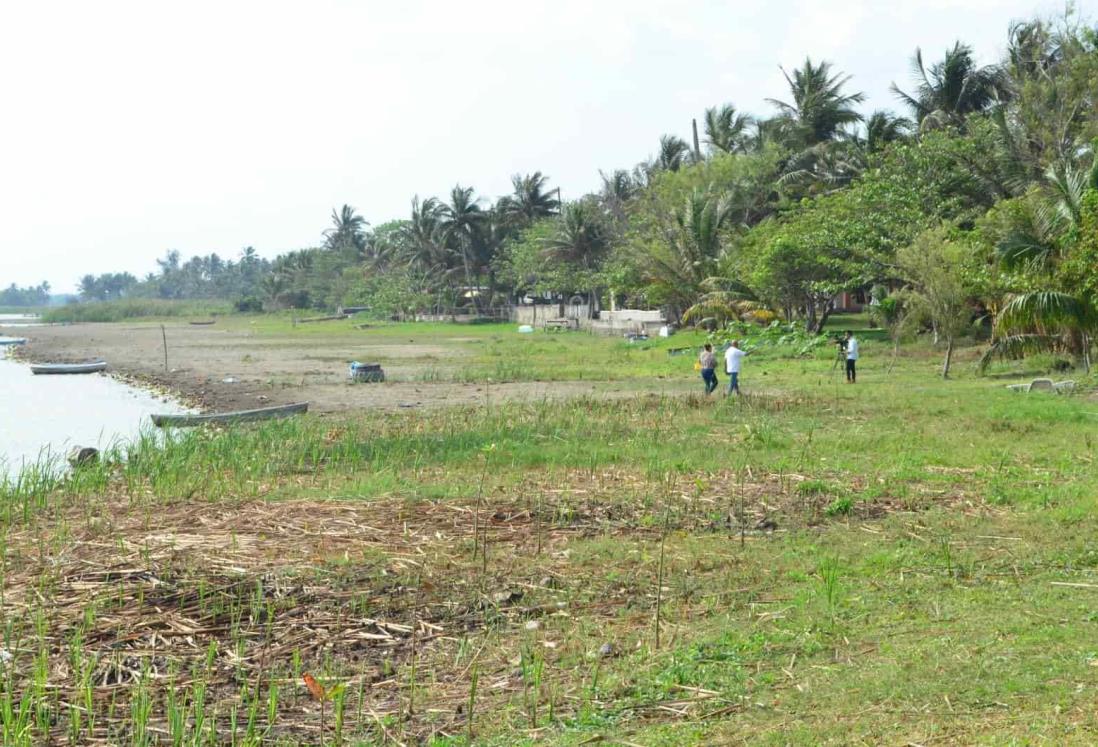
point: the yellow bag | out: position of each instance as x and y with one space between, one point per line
697 366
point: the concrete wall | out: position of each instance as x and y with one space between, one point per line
621 322
537 314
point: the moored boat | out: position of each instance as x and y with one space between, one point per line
13 340
68 368
226 418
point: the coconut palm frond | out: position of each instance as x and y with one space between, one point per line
1013 347
731 286
1023 251
1045 310
719 306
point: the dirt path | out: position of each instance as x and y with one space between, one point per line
230 368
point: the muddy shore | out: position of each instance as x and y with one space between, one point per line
218 368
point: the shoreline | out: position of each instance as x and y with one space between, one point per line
232 367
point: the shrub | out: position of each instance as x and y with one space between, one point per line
248 305
840 506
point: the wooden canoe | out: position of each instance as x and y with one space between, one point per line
202 324
69 368
226 418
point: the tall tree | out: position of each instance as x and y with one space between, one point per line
530 199
819 109
726 130
949 90
689 251
461 221
932 267
674 153
347 234
579 241
882 128
1055 245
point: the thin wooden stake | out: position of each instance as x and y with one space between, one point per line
743 518
659 573
164 336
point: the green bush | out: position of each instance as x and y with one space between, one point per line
248 305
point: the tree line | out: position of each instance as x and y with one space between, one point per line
987 169
32 295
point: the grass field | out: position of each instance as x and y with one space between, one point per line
904 561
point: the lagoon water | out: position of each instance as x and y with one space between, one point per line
48 415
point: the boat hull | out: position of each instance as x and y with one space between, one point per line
68 368
227 418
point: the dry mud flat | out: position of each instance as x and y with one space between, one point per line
269 370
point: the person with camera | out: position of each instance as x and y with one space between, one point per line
850 347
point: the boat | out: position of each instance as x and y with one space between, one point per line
69 368
199 324
13 340
226 418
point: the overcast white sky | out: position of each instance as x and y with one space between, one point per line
131 128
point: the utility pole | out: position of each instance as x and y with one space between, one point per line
697 146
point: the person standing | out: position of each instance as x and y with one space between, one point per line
708 363
851 345
733 358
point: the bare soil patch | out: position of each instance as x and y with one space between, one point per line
268 370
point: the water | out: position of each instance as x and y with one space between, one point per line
21 320
48 415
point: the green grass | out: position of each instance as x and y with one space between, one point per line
909 588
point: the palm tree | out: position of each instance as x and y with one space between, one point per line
726 129
824 167
422 238
530 199
274 285
819 109
1063 314
883 128
461 221
618 189
580 241
347 233
777 131
950 90
674 152
1033 50
691 254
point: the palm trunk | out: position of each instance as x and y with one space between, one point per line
949 356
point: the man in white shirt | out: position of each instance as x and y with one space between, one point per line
851 345
733 358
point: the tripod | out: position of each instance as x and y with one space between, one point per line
840 356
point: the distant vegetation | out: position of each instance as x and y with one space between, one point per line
132 308
989 170
37 295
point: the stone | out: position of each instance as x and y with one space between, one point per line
82 455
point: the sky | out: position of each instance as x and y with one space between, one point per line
131 128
